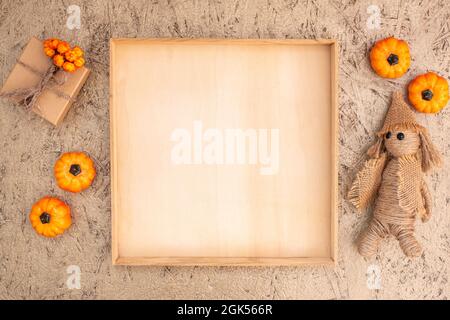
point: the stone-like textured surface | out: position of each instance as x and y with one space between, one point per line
34 267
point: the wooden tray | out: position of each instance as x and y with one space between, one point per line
172 206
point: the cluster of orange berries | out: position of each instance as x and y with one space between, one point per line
70 59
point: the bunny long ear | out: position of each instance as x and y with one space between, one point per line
430 155
377 148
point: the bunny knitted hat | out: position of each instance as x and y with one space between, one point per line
399 116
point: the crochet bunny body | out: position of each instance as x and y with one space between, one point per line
401 198
394 177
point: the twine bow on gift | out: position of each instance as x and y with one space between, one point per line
28 96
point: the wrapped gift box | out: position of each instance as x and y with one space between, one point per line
50 105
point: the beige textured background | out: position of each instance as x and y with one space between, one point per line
34 267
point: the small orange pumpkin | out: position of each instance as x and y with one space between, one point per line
51 43
58 60
390 57
77 51
63 47
49 52
74 171
70 56
428 92
69 67
50 217
79 62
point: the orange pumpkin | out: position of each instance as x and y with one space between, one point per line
69 67
50 217
74 171
63 47
58 60
428 92
390 57
77 51
51 43
70 56
49 52
79 62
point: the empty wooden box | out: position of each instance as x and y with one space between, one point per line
224 152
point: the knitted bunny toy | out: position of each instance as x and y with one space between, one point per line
393 175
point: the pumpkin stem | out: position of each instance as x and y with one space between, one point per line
75 169
44 217
427 94
392 59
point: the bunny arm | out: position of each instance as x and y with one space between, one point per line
426 215
367 181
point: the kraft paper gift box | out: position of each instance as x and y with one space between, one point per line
52 103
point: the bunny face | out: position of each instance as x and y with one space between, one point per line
402 142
